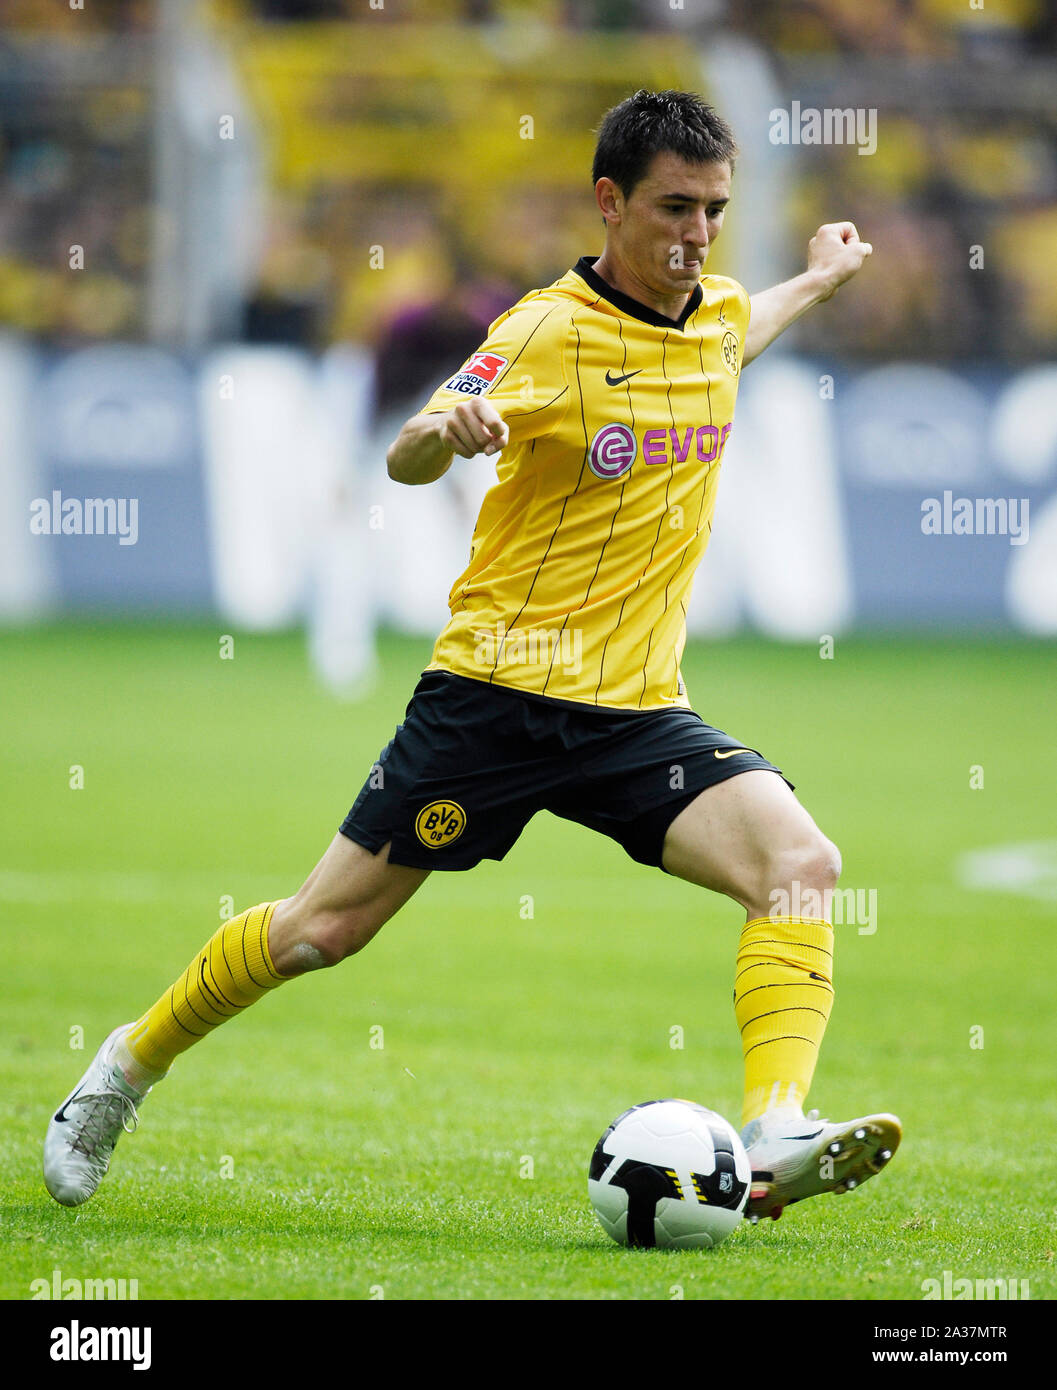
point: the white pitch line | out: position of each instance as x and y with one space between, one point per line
1028 869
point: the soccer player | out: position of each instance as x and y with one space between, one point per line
608 398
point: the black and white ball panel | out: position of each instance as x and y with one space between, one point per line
669 1172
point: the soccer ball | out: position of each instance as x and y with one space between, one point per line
669 1173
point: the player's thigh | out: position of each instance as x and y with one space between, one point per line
747 836
346 899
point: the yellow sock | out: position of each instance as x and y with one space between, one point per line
783 993
232 971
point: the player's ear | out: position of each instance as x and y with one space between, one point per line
610 200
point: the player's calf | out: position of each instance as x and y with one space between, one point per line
347 898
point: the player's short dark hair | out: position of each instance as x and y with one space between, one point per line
650 123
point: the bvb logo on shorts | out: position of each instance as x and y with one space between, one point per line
440 823
730 353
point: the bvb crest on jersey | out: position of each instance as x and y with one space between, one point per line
729 350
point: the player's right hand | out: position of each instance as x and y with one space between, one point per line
472 427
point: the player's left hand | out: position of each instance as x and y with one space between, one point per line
835 253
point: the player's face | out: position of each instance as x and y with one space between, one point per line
663 232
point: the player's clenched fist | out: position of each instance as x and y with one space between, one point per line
474 426
424 449
835 253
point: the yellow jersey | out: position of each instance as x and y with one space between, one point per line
585 548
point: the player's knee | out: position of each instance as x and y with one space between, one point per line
332 935
813 863
303 939
821 863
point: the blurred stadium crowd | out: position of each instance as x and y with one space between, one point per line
240 240
378 150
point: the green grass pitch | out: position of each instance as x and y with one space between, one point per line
523 1005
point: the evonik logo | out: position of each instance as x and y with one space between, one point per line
615 447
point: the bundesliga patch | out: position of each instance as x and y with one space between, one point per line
478 375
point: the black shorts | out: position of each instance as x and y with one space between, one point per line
472 763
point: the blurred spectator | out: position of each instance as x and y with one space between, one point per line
75 176
422 344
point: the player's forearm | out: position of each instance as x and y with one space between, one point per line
772 311
418 453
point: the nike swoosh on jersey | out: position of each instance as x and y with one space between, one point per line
612 380
729 752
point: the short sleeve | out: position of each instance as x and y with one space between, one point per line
520 367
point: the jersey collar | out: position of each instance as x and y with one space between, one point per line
629 306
